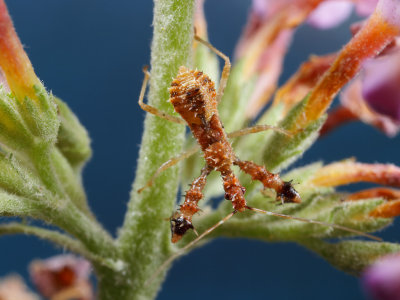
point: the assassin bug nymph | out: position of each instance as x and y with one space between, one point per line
194 97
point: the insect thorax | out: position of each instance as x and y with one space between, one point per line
193 96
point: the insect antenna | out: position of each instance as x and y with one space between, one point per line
189 245
270 213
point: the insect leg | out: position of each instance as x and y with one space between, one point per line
169 163
151 109
270 213
225 71
181 221
255 129
284 189
189 245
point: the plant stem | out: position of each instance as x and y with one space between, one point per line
144 237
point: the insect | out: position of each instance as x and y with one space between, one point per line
193 95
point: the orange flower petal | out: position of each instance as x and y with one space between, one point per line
380 192
13 60
388 209
337 117
347 172
261 36
306 77
378 31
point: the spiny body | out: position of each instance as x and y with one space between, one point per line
193 96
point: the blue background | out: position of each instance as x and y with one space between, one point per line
90 53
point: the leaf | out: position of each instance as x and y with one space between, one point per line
319 207
283 150
351 256
237 94
14 206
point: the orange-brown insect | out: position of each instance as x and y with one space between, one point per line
193 96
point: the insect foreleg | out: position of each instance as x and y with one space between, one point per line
151 109
225 71
169 163
256 129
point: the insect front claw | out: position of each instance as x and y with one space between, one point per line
179 226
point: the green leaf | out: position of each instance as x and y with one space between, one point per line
14 133
235 99
40 116
15 206
16 179
351 256
319 207
251 147
283 150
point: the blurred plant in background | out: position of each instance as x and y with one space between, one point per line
44 149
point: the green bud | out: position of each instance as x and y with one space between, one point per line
351 256
73 139
40 115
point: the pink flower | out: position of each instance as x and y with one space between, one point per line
64 276
382 279
13 288
265 41
333 12
381 84
330 14
373 97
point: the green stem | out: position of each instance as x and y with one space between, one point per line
144 237
71 181
75 222
56 237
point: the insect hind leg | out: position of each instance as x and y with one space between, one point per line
285 191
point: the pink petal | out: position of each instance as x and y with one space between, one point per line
13 288
382 279
330 14
365 7
352 99
390 11
381 84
